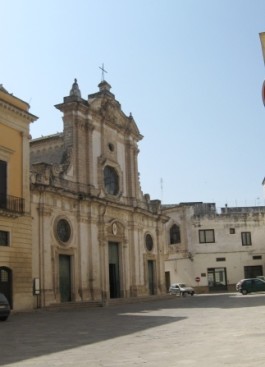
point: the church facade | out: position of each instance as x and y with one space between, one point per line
95 235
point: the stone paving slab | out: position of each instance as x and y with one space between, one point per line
215 330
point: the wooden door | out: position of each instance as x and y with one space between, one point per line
65 277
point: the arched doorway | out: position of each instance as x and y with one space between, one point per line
6 283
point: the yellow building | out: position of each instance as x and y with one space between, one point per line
15 219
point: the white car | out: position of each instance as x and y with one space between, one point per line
181 289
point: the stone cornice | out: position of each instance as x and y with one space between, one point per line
21 113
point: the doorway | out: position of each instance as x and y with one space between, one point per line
151 276
253 271
167 278
114 270
217 280
65 278
6 283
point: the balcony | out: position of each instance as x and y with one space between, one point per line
11 204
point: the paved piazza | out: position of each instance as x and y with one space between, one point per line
204 330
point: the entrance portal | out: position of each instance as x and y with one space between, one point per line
151 277
65 277
217 279
114 271
6 283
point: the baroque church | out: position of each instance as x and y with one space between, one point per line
96 236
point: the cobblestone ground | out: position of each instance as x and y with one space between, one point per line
204 330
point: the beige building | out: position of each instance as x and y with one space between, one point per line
213 251
15 219
95 235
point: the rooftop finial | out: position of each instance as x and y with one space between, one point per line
75 91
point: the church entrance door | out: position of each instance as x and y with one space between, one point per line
65 277
114 270
151 277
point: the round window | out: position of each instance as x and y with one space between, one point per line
149 242
63 230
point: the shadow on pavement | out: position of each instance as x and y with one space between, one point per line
34 334
30 335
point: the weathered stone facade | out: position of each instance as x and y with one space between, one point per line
219 249
92 225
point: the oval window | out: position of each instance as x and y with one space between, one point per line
149 242
63 230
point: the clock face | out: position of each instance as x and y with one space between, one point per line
63 230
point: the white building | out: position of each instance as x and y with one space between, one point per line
214 251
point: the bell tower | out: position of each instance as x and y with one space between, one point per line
77 134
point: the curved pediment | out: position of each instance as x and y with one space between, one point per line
109 109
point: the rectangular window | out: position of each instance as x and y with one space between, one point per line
232 231
4 238
220 259
3 184
206 236
257 257
246 238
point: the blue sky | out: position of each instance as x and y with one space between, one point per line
190 72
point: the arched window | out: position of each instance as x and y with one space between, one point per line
174 234
111 180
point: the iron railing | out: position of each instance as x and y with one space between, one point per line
12 203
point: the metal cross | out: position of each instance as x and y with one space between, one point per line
103 71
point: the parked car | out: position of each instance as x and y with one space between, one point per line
250 285
4 307
181 289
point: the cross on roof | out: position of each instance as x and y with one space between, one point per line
103 71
